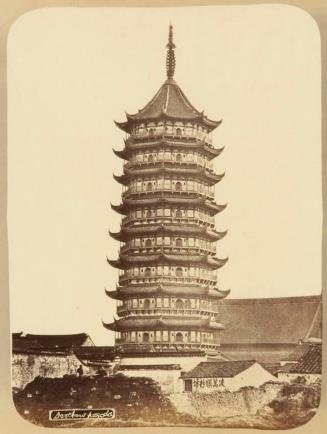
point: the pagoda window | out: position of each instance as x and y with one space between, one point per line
159 304
159 270
159 241
148 242
179 242
179 156
160 155
133 336
165 335
191 242
148 272
167 241
179 304
193 336
146 304
190 213
167 184
160 182
179 272
134 302
137 242
166 302
190 185
148 213
149 186
179 337
139 214
178 186
192 271
167 212
158 335
150 158
145 337
159 212
166 270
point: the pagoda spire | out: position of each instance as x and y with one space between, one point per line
170 57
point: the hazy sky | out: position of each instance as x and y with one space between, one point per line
73 71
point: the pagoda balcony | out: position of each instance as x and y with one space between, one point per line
202 312
127 221
167 249
169 163
137 280
162 192
172 137
173 346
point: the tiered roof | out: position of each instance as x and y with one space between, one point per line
154 323
123 292
127 233
127 260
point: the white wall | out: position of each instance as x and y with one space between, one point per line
186 362
168 379
254 376
288 377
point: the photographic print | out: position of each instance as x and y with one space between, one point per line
165 216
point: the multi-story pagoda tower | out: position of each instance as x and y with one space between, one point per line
167 294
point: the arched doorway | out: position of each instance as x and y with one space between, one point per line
179 242
179 157
178 132
145 337
148 243
150 159
148 272
179 304
149 186
179 272
179 337
179 213
146 304
178 186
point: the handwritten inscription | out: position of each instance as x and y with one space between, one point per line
73 414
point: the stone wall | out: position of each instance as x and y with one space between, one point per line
246 401
27 366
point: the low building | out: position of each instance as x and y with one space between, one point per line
22 340
225 376
308 367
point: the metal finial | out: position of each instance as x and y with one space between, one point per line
170 58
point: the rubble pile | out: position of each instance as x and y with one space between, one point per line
136 401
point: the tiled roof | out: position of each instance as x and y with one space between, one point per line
270 320
310 362
59 341
171 100
219 369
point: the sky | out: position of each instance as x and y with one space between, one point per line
73 71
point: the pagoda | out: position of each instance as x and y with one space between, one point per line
167 295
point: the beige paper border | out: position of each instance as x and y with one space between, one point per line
10 10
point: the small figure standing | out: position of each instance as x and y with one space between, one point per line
80 371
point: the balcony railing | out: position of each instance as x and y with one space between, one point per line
199 312
126 221
173 345
124 279
167 249
178 138
163 192
167 162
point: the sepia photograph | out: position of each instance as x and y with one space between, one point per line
165 216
